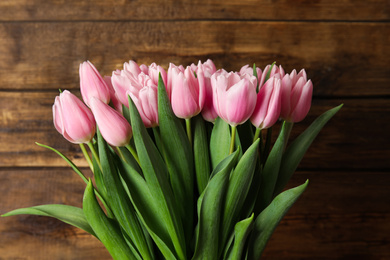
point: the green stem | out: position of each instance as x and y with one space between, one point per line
87 157
133 152
189 132
233 139
95 154
121 154
257 134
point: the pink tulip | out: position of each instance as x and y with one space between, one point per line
249 70
123 81
154 71
268 104
275 70
172 67
187 92
92 84
234 96
145 99
73 119
296 97
208 112
112 125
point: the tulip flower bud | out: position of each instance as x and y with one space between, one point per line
234 96
296 96
208 68
92 84
249 70
145 99
274 71
187 92
122 82
73 119
154 71
171 69
268 104
112 125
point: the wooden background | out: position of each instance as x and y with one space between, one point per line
343 44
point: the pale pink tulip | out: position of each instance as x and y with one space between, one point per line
145 99
249 70
275 70
208 112
73 119
268 104
154 71
234 96
92 84
296 97
112 125
123 81
171 69
187 92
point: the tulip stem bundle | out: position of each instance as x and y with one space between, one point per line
210 190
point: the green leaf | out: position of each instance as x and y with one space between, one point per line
147 209
271 168
68 214
119 203
297 149
238 187
178 158
241 231
156 176
106 229
201 154
210 210
219 142
269 218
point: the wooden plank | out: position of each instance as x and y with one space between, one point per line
356 138
35 237
24 10
342 214
337 56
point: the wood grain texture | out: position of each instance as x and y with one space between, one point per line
47 55
30 10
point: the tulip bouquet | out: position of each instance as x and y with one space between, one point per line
183 162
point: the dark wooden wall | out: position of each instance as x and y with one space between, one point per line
344 46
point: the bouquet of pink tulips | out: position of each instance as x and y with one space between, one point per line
183 161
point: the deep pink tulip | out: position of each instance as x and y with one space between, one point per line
145 99
296 97
234 96
268 104
112 125
208 112
275 70
92 84
187 92
73 119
